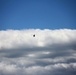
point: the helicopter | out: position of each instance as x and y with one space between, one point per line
34 35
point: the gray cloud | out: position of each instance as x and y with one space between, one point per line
50 52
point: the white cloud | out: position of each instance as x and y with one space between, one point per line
9 69
49 52
24 38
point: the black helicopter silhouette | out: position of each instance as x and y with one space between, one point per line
34 35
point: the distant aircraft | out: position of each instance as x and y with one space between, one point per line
34 35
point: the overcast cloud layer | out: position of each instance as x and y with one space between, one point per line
50 52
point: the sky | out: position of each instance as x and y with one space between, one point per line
53 49
43 14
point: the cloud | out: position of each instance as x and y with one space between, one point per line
49 52
44 38
59 69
